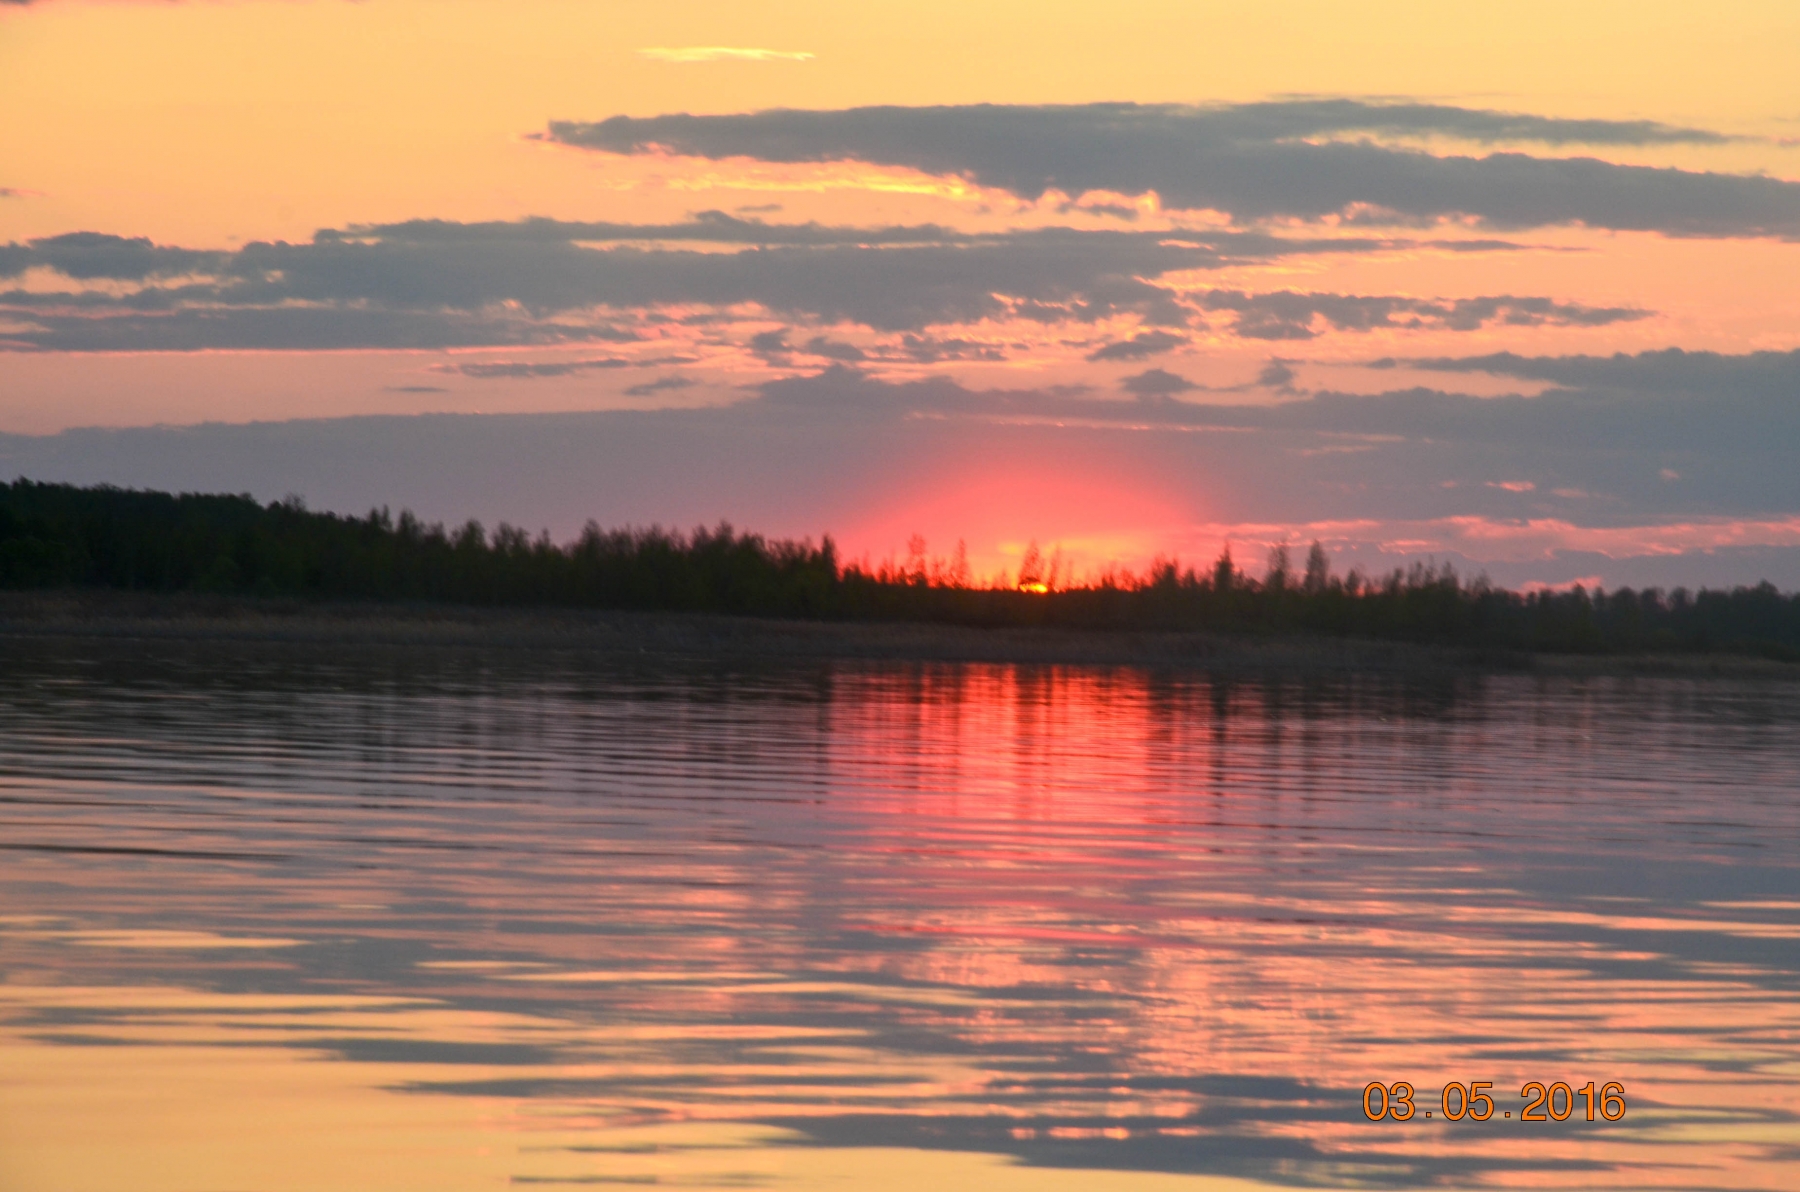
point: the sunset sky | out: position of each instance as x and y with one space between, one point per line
1516 286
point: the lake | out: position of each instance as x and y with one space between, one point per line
295 917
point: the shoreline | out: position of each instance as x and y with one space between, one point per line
196 618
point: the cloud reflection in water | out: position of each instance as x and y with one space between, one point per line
462 918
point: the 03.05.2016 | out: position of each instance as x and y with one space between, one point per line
1555 1102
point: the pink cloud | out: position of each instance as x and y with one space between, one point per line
1494 539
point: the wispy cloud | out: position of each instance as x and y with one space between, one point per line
1286 314
525 370
723 54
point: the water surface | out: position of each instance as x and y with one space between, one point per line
285 918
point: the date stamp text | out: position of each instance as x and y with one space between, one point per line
1471 1100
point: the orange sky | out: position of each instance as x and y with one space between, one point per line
209 123
211 126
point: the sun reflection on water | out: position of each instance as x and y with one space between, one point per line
403 921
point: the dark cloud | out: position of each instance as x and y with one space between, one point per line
1251 160
1276 375
1289 315
844 392
296 328
88 256
1139 347
660 385
1592 456
520 368
1156 382
433 284
1295 118
710 227
928 350
772 346
1660 406
1669 371
1730 419
1372 465
828 349
1055 273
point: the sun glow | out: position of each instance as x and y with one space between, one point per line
1029 507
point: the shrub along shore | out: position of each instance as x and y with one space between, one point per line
62 537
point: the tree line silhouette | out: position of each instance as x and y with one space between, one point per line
63 536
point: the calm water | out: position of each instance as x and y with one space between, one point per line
290 919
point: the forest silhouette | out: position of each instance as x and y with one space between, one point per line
56 536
